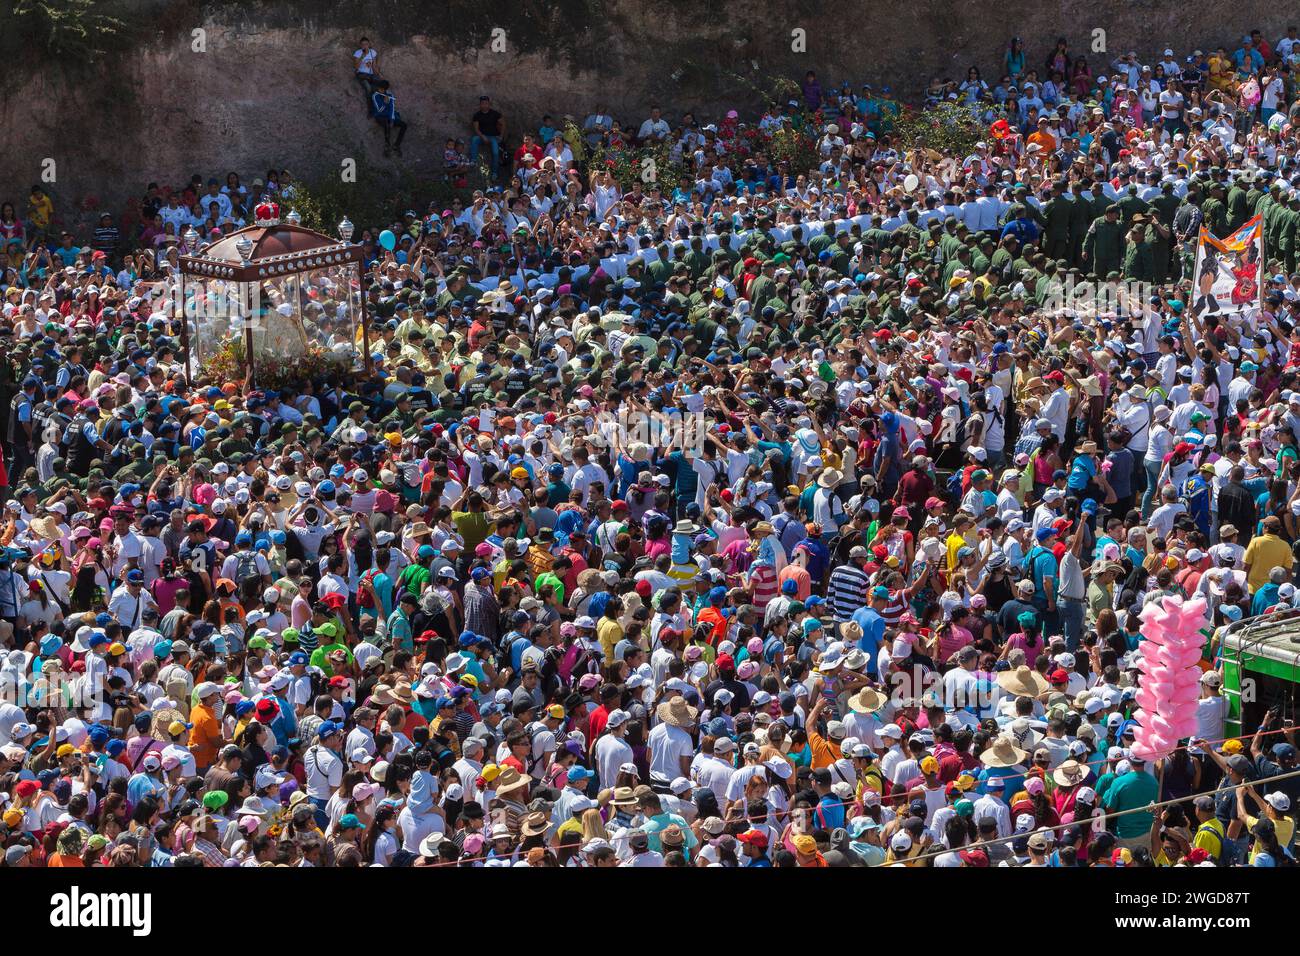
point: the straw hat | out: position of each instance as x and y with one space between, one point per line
851 631
164 718
1070 773
382 694
867 701
623 797
46 527
587 577
676 712
511 779
830 478
1024 681
534 824
1003 753
403 692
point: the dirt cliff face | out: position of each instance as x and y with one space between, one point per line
272 83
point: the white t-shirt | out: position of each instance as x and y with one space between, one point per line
367 58
416 827
668 745
1211 712
611 752
324 772
129 546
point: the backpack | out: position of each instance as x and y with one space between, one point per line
365 596
319 683
953 485
247 577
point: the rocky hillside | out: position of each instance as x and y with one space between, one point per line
142 96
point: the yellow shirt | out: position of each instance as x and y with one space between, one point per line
1264 553
40 210
1284 827
1209 837
955 543
609 633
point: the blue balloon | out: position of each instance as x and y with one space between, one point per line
387 239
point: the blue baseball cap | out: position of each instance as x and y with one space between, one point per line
328 728
297 657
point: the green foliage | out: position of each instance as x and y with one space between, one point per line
373 202
795 146
323 202
951 128
75 29
644 164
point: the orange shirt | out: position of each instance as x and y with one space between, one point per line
1045 141
824 752
801 578
63 859
205 737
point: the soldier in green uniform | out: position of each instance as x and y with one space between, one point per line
1163 208
237 443
1130 205
659 270
1103 247
1139 259
697 260
764 285
1238 208
842 253
1255 193
1215 211
948 241
1080 219
1289 223
1056 228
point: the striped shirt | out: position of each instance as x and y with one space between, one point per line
847 591
762 583
893 611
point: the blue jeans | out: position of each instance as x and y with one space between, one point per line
1152 469
1071 614
495 141
322 818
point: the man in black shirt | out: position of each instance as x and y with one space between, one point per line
1236 504
489 127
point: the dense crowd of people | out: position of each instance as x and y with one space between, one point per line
771 517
